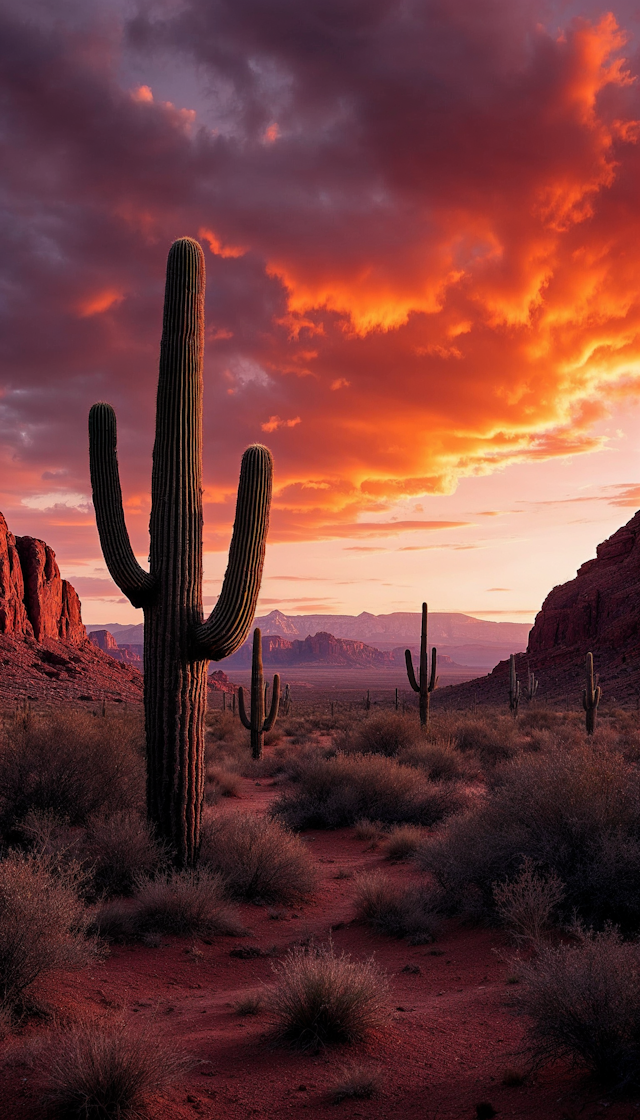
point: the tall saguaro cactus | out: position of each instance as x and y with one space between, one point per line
257 724
591 696
426 683
178 643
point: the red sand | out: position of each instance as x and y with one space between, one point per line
449 1039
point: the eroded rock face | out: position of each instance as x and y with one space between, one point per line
13 613
600 608
34 601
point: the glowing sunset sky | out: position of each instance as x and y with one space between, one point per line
421 223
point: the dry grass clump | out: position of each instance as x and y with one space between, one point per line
396 910
369 831
71 764
250 1004
358 1082
257 859
119 848
526 905
221 782
402 841
183 902
99 1072
440 759
384 733
222 727
574 813
492 740
582 1003
43 926
336 792
321 998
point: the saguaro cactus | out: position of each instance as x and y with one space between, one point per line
591 697
532 685
257 724
177 642
426 683
514 687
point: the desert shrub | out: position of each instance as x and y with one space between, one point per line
574 813
492 740
183 902
582 1002
358 1082
43 926
250 1004
98 1072
300 729
440 760
526 904
322 998
222 726
394 909
257 859
369 831
120 847
383 733
336 792
225 782
402 841
70 764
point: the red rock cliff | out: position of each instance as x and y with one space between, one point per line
34 601
600 608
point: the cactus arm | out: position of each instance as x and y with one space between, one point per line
242 712
275 703
229 622
123 567
410 673
433 680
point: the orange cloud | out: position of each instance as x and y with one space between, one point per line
101 301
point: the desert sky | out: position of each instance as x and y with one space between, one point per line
421 223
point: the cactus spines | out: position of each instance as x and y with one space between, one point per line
178 643
426 682
591 696
257 724
514 687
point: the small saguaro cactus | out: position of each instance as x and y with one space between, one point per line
591 697
532 685
178 643
514 687
257 724
426 682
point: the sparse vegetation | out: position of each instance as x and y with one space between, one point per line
574 812
336 792
257 859
396 910
526 904
358 1082
43 926
69 764
322 998
99 1072
383 733
582 1003
183 902
402 841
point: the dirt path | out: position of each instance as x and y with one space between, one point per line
449 1040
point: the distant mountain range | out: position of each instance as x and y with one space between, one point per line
466 640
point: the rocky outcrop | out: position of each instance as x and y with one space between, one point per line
104 640
600 608
34 601
316 649
218 681
597 612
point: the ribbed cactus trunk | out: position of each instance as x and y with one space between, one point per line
177 642
590 696
175 679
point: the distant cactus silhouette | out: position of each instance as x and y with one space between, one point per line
514 687
177 642
532 685
257 724
591 696
426 683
